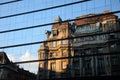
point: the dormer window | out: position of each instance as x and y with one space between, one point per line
47 33
55 32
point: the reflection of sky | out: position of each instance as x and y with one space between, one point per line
43 17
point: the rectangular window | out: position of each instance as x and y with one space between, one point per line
100 63
53 55
110 24
64 32
63 41
53 66
64 65
76 62
87 64
100 50
88 51
64 53
101 66
111 36
114 60
1 59
52 70
77 52
88 67
41 55
41 65
78 39
113 46
54 43
54 32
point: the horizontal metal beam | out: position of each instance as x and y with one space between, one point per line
9 2
29 12
71 57
42 25
33 43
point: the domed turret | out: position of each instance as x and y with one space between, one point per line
58 19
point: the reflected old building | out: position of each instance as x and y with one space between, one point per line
55 49
10 71
60 43
96 45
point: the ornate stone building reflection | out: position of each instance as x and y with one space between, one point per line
55 49
81 46
10 71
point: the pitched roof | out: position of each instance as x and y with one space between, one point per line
4 58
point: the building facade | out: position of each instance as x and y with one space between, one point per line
55 49
100 65
81 38
10 71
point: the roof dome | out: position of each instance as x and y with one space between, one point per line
58 19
